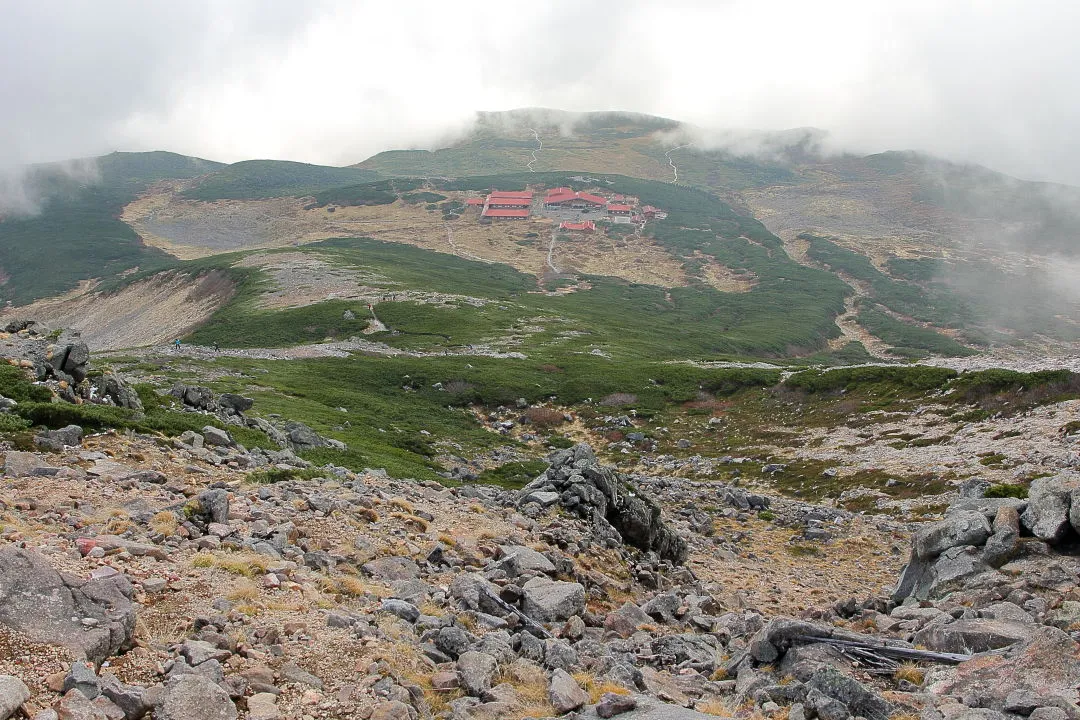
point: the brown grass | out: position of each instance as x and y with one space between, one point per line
403 505
911 672
596 687
545 417
165 523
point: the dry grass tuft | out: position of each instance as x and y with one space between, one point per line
718 708
165 523
403 505
368 515
911 672
596 687
202 560
415 521
245 590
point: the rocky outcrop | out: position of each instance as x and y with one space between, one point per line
93 618
616 510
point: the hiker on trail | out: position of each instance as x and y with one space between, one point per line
176 344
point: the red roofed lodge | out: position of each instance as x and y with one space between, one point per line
620 209
585 226
505 213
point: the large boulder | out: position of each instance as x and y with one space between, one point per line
13 693
972 636
963 528
95 619
565 693
476 670
1046 663
615 508
548 600
859 699
191 696
1047 513
114 388
1004 543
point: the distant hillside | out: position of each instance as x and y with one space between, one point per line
257 179
76 233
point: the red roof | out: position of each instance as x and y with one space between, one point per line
508 202
649 209
475 201
523 194
587 225
620 208
509 213
565 197
558 191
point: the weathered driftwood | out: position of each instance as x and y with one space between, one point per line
887 651
527 622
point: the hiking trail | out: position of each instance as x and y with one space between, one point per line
539 147
674 167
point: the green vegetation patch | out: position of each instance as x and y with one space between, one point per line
258 179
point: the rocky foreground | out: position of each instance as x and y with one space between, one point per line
192 578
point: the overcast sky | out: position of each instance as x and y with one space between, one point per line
334 81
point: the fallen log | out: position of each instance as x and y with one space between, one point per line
891 651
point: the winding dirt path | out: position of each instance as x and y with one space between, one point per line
539 147
674 167
462 253
551 253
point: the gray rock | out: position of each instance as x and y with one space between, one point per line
197 652
519 560
453 641
626 620
1021 702
964 528
552 600
214 436
82 677
300 436
972 636
291 672
263 706
826 707
559 654
404 610
544 499
214 505
132 699
616 509
13 693
987 506
57 440
47 607
611 705
476 671
564 692
1004 543
193 697
1048 713
858 699
662 607
239 403
1047 514
23 464
390 569
114 388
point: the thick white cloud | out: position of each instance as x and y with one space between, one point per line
333 81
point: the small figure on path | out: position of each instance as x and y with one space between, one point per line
176 344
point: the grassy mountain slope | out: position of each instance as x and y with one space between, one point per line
75 233
255 179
